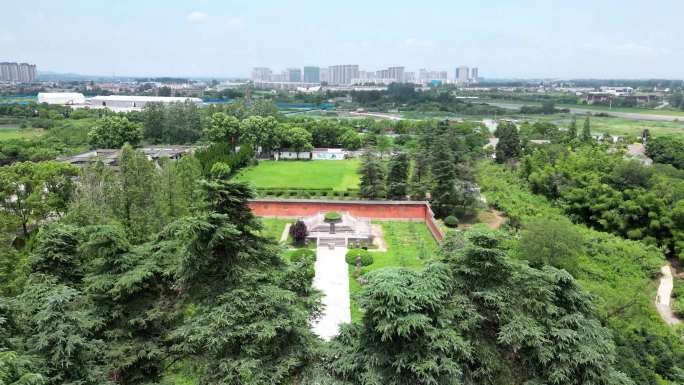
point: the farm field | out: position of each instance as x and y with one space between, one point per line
340 175
15 132
617 126
645 111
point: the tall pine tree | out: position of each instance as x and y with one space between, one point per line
509 147
397 178
586 131
372 177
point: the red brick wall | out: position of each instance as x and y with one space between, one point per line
374 210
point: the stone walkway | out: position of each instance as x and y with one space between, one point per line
664 295
332 280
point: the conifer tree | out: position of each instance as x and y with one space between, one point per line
397 178
509 147
372 177
586 131
572 130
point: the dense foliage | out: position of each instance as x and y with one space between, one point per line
614 270
610 193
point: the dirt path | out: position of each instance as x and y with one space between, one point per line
378 238
497 221
663 299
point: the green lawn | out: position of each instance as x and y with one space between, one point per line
409 244
339 175
273 227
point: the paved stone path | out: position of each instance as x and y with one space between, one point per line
332 280
664 295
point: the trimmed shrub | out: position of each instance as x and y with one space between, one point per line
451 221
366 257
332 216
298 231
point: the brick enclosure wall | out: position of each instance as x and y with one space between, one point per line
401 210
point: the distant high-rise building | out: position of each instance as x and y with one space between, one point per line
462 74
312 75
427 76
474 74
294 75
343 74
325 75
396 74
261 74
18 72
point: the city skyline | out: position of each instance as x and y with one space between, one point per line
346 74
507 39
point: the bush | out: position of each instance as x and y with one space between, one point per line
451 221
366 257
298 231
332 216
306 255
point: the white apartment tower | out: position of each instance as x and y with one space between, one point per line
261 74
462 74
343 74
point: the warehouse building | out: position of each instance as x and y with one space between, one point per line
123 103
62 98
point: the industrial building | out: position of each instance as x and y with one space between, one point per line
62 98
125 103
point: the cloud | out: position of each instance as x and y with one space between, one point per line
197 17
235 22
414 43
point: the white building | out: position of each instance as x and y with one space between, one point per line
462 74
62 98
123 103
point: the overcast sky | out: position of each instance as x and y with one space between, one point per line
504 38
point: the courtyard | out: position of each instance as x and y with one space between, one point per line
407 244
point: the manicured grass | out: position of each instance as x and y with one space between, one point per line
409 244
14 132
340 175
273 227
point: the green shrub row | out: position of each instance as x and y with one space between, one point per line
307 193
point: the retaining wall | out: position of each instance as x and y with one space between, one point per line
398 210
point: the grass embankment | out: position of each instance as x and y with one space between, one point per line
409 244
337 175
620 273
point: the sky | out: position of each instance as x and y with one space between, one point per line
212 38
